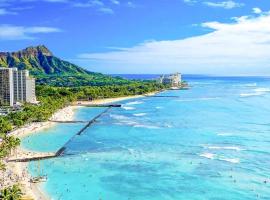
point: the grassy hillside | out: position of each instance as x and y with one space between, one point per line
51 70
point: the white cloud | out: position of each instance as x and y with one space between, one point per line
257 10
99 5
224 4
115 2
131 4
191 2
240 47
10 32
3 11
88 4
106 10
54 1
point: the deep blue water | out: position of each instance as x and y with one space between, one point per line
211 142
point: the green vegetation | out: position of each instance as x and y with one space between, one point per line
54 98
11 193
7 145
59 84
40 61
53 71
91 79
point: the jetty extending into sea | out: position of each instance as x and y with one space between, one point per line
35 156
26 156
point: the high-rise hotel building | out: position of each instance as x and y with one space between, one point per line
16 86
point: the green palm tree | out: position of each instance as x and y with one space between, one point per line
11 193
16 192
4 194
10 143
3 168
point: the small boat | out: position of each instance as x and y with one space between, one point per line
38 179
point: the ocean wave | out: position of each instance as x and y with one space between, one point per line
251 84
208 155
215 157
159 107
256 92
139 114
231 160
262 90
123 120
224 134
134 103
198 99
118 117
126 123
235 148
146 126
251 94
128 108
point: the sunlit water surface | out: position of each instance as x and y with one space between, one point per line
210 142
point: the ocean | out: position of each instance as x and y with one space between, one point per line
211 142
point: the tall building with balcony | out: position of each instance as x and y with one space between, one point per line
6 86
174 80
16 86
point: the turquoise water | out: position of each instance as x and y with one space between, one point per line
211 142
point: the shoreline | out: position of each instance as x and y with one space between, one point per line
112 100
18 172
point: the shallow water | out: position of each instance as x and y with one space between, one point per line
210 142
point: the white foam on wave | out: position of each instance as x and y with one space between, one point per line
139 114
134 103
256 92
118 117
126 122
123 120
224 134
208 155
262 90
235 148
159 107
215 157
198 99
231 160
146 126
251 94
128 108
251 84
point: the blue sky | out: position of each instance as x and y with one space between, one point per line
228 37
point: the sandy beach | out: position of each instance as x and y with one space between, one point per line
17 172
111 100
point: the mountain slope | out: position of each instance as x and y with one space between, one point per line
51 70
40 61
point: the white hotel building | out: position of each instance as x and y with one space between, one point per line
16 86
